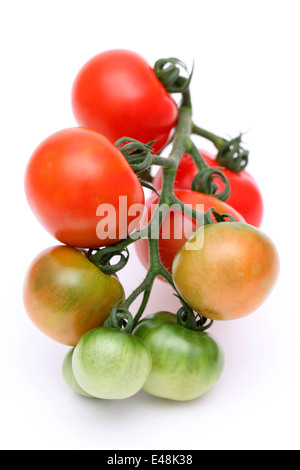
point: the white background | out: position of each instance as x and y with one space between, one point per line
246 78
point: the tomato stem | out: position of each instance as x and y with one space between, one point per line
181 144
139 156
215 139
231 153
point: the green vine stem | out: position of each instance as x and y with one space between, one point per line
215 139
231 153
167 198
140 158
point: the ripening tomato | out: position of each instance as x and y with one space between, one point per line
111 364
185 364
245 195
65 295
118 94
177 228
231 275
77 183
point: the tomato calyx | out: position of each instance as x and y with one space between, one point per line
141 158
204 183
187 318
213 217
233 156
231 153
120 319
168 73
138 155
102 257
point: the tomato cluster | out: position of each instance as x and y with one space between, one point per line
221 267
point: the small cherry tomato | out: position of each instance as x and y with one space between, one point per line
69 377
231 275
177 227
111 364
118 94
65 295
185 364
245 196
74 184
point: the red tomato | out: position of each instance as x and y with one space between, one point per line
177 228
118 94
70 176
245 196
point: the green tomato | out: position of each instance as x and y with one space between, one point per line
154 320
69 377
111 364
185 364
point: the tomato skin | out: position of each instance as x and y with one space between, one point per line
185 363
111 364
65 295
169 247
69 176
231 275
154 320
245 196
118 94
68 375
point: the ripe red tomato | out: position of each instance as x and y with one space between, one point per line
118 94
70 176
245 195
177 228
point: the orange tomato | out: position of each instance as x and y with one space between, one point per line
231 275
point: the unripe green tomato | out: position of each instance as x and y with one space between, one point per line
111 364
185 364
69 377
154 320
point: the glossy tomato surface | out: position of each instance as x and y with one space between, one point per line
231 275
118 94
65 295
245 196
185 364
111 364
177 227
73 178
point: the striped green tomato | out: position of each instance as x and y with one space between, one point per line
111 364
186 364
